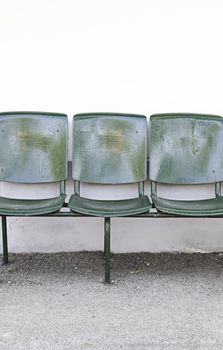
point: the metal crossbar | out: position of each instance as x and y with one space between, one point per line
65 212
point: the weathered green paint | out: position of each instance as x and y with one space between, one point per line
33 147
186 148
27 207
202 208
109 148
109 208
107 253
137 159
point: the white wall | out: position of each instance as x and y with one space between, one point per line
141 56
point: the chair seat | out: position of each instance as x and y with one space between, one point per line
29 207
109 208
206 207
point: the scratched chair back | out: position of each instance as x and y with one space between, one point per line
186 148
109 148
33 147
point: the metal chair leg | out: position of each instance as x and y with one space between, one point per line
107 255
4 240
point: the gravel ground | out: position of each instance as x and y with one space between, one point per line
156 301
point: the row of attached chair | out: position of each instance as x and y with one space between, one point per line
186 149
110 148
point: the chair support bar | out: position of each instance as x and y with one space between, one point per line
153 188
218 189
62 187
4 240
77 187
107 254
107 229
141 188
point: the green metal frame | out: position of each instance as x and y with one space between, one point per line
107 227
186 149
33 150
107 220
61 213
108 148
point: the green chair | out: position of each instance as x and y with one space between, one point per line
186 149
33 150
109 149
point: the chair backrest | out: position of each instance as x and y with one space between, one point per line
186 148
33 147
109 148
